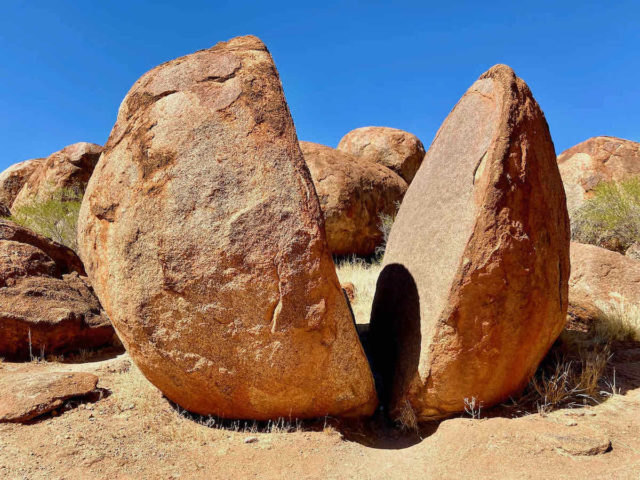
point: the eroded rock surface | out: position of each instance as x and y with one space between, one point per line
473 290
13 179
396 149
353 194
202 235
46 304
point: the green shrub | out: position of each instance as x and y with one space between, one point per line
611 218
56 218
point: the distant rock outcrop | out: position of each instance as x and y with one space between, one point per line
46 304
596 160
353 193
202 235
396 149
70 168
474 285
601 280
13 179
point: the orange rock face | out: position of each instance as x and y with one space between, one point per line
353 194
13 179
396 149
473 290
596 160
601 279
70 168
45 299
203 237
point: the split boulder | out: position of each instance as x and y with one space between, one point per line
202 235
473 290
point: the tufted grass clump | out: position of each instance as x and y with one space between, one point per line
611 218
55 218
617 320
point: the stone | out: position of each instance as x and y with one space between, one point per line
633 251
473 287
354 194
68 169
396 149
46 304
601 280
202 236
25 396
595 160
13 179
349 290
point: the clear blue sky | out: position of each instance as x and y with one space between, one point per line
66 65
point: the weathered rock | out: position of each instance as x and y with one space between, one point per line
633 251
69 169
349 290
600 280
353 194
13 179
25 396
596 160
46 305
202 235
4 211
473 290
396 149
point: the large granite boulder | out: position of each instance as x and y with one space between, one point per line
596 160
396 149
66 170
473 290
354 194
601 280
46 303
13 179
203 237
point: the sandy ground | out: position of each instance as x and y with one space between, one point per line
130 431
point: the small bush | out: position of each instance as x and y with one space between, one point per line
56 218
611 218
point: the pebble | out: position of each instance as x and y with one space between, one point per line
251 440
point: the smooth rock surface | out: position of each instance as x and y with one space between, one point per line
25 396
396 149
353 194
203 237
601 279
473 290
69 168
595 160
46 305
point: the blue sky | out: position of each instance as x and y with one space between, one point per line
66 65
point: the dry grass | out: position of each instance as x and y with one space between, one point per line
364 276
618 320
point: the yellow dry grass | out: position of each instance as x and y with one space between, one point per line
363 275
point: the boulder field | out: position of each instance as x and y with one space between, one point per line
396 149
474 284
353 194
595 160
46 303
203 237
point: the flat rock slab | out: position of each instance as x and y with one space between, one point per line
24 396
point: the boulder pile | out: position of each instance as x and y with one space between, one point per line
354 194
46 304
203 236
474 285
